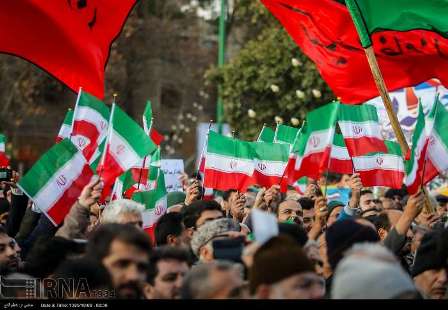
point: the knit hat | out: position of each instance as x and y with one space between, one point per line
211 230
333 205
277 259
174 198
432 253
342 235
364 277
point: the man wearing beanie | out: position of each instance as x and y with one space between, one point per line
281 270
431 265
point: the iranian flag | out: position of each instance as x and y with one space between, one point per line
90 123
96 158
270 160
285 134
155 202
127 144
415 166
66 127
229 163
437 130
156 137
55 182
381 169
266 134
4 160
311 151
300 185
361 129
340 160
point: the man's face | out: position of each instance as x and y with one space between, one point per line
131 218
433 283
305 285
367 201
208 215
333 217
9 254
169 278
308 219
290 209
127 265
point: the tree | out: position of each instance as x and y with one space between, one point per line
270 75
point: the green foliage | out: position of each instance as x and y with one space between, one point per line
265 60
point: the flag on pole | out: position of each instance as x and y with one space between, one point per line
285 134
90 123
381 169
300 185
156 137
415 166
229 163
127 144
340 160
266 134
270 160
325 32
361 129
4 160
155 202
69 39
66 127
55 182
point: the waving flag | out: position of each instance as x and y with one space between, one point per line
69 39
266 134
66 127
340 160
90 123
325 32
270 160
156 137
55 182
4 160
285 134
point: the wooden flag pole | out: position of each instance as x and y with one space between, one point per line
381 85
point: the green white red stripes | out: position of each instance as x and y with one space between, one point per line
285 134
56 180
270 160
66 127
90 123
4 160
381 169
127 144
340 160
361 129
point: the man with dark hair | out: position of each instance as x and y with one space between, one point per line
393 199
82 278
171 231
167 268
9 253
200 212
289 211
307 205
124 250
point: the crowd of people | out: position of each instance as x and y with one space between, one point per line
377 244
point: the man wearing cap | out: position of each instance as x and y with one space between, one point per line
281 270
430 269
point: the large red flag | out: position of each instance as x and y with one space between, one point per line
325 32
69 39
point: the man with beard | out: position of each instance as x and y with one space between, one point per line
289 210
124 250
167 268
9 253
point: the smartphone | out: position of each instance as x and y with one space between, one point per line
230 249
5 174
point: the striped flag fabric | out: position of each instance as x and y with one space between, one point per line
415 165
156 137
4 160
300 185
381 169
340 160
127 144
229 163
285 134
266 134
66 127
270 160
90 123
361 129
55 182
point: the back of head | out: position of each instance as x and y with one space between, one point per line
165 253
191 213
306 203
342 235
89 277
168 224
47 254
370 271
100 241
277 259
295 231
116 208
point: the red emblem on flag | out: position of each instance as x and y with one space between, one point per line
61 181
233 164
379 161
261 166
120 149
315 141
158 210
357 130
